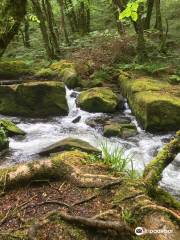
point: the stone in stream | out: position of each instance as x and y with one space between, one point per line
34 99
69 144
10 128
119 129
99 99
76 120
4 142
74 94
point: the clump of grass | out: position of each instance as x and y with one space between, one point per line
127 216
118 160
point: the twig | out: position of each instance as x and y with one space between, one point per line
85 200
55 202
133 196
5 217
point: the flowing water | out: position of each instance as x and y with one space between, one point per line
43 132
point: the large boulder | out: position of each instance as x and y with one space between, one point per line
119 129
69 144
14 69
156 104
4 143
35 99
10 128
99 99
67 72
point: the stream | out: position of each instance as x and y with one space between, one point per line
43 132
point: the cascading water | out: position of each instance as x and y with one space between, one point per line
41 133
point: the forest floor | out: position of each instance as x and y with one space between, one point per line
46 210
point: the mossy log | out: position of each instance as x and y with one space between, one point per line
153 171
59 167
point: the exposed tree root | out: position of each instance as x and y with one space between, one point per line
120 228
163 209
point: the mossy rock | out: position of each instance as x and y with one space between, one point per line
70 144
35 99
13 69
46 73
156 104
67 72
4 143
10 128
123 130
100 99
70 78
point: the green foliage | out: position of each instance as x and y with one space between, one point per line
127 216
150 68
131 10
118 160
174 79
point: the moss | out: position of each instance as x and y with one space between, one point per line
4 143
13 69
163 197
61 65
156 104
155 168
46 73
98 100
10 128
53 168
37 99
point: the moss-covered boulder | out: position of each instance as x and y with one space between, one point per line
10 128
4 143
116 129
35 99
156 104
66 70
70 78
13 69
70 144
100 99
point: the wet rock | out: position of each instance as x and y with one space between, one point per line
116 129
76 120
35 99
100 99
69 144
4 142
93 122
156 104
74 94
10 128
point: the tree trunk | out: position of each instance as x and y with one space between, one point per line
63 23
71 15
46 6
119 24
16 10
26 34
158 24
141 48
150 4
47 44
